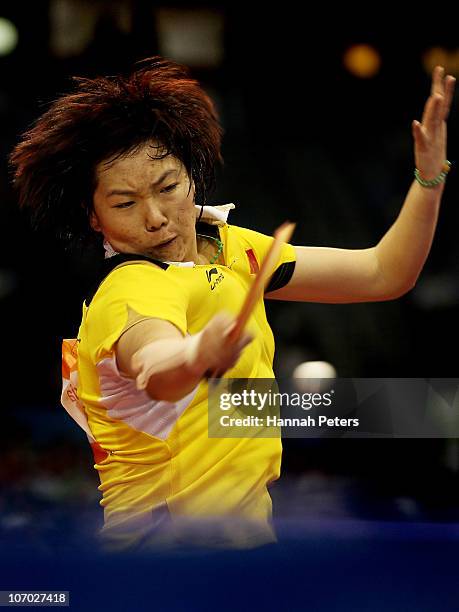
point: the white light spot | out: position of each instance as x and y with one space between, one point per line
8 36
309 376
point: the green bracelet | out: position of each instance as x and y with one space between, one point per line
437 180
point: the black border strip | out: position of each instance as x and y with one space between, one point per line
281 276
112 262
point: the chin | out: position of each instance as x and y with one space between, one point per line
164 255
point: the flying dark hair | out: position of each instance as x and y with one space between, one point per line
105 118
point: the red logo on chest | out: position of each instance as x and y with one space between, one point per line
254 267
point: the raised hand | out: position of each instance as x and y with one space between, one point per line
431 134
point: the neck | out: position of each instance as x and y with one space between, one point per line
209 249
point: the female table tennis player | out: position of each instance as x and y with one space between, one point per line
129 162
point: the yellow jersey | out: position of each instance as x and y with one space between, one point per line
160 473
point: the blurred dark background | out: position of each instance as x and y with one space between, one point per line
317 107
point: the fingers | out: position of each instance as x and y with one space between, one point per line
222 322
438 104
437 86
417 134
244 341
216 349
450 84
433 112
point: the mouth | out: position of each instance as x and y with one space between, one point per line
165 243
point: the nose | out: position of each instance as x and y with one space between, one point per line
154 217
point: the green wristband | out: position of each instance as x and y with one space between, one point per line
435 181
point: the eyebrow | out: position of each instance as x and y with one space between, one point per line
126 192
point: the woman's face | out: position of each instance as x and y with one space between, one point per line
144 205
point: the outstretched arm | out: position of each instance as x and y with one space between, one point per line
169 366
392 267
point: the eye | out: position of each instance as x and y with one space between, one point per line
169 188
123 205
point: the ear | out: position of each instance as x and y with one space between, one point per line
94 222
